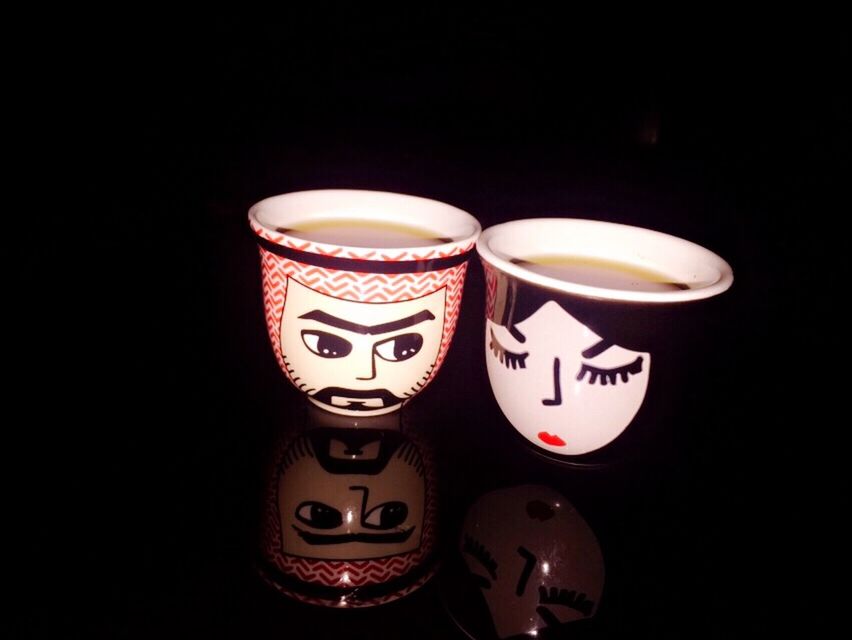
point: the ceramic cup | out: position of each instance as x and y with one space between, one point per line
587 323
350 512
361 291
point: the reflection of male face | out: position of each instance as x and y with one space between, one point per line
352 496
561 385
359 357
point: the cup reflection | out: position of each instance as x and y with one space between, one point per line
350 512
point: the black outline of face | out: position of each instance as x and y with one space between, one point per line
569 409
326 334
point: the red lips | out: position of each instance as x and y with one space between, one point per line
553 441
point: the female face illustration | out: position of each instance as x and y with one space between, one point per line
360 358
562 386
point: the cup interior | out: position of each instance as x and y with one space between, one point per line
363 219
510 246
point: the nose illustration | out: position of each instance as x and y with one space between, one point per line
557 388
372 368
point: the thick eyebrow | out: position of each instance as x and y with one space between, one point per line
364 329
597 348
516 334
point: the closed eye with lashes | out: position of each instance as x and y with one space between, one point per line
610 376
476 549
511 359
564 597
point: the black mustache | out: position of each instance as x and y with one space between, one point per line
324 395
339 538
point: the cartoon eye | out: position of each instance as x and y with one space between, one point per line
509 358
319 515
477 550
326 345
399 347
386 516
609 376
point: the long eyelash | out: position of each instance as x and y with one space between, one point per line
609 376
509 358
577 601
478 551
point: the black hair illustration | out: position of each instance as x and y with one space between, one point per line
636 326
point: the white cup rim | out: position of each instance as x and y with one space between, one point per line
460 228
655 250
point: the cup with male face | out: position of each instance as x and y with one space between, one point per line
362 291
587 324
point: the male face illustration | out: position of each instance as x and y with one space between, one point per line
536 560
351 494
360 358
562 386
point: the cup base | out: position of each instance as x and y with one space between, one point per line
365 413
606 457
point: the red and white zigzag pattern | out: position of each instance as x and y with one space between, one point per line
490 289
360 287
353 601
355 253
349 573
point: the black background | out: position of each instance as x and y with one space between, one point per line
151 389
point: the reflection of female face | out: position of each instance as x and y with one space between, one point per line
357 357
536 560
561 385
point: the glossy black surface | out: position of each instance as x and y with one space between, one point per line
138 460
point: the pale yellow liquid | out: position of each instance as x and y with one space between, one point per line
598 272
370 234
